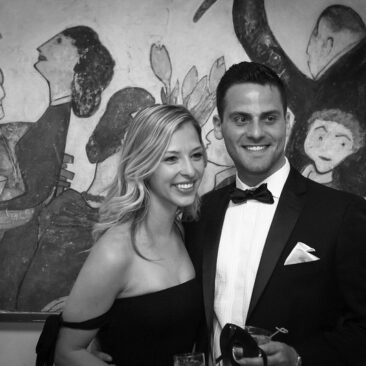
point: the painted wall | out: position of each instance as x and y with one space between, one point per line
128 30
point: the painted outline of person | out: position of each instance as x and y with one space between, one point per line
332 136
77 68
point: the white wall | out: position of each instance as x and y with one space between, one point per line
18 342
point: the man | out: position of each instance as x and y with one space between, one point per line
336 55
296 261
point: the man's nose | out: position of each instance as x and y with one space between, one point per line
254 130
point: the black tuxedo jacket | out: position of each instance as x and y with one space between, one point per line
322 303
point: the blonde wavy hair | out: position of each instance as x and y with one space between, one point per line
145 143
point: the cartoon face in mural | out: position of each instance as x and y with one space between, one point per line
332 136
335 30
56 61
2 94
75 63
318 48
327 144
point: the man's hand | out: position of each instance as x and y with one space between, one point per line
278 354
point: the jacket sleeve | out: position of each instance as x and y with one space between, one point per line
345 344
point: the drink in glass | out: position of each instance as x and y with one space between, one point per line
189 359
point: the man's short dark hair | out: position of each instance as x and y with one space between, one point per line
248 72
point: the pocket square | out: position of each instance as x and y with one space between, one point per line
301 254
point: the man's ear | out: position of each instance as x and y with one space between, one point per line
290 119
217 127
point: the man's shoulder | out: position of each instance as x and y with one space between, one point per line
328 194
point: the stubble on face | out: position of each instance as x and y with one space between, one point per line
254 130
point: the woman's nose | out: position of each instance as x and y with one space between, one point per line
187 168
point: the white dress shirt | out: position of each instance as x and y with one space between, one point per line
243 236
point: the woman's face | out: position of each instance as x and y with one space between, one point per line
328 143
57 59
176 180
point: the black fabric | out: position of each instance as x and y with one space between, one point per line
261 194
150 329
321 303
138 331
233 336
45 348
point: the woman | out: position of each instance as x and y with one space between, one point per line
137 290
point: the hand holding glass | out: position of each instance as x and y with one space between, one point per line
261 336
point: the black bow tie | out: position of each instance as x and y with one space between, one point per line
261 194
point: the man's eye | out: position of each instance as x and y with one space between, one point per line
240 119
271 118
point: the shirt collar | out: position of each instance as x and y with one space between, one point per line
61 100
275 182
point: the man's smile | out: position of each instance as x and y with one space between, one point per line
256 147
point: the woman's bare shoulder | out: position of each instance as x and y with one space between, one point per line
103 276
114 245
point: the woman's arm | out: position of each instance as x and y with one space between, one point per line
99 283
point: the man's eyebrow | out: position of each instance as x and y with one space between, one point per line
239 113
274 111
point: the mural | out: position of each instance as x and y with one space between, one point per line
327 142
77 68
199 96
73 80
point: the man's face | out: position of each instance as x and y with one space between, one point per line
254 130
319 49
328 143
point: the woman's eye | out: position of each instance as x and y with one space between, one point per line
170 159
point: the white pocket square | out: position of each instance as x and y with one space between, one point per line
301 254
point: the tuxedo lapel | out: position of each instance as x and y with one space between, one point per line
288 210
216 210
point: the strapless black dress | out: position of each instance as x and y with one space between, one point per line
147 330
